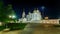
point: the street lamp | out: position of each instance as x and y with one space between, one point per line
12 16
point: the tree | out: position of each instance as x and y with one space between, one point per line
5 11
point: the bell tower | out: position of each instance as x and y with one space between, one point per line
23 14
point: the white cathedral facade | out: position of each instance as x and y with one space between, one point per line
31 17
36 17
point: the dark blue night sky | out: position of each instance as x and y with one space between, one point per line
52 7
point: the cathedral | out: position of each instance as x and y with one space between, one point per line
35 16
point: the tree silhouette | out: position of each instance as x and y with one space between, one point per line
5 11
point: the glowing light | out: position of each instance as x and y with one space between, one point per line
43 7
52 21
0 23
12 16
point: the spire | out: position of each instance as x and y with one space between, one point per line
23 14
35 10
29 11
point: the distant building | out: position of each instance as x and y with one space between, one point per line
36 15
23 14
29 16
23 17
46 18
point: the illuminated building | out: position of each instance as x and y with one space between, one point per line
23 19
29 16
36 15
46 18
23 14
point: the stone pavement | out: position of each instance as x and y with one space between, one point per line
35 29
38 29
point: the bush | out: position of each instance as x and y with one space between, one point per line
16 26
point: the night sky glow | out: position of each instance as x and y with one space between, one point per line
52 7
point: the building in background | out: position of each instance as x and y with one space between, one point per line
31 17
23 17
50 21
36 15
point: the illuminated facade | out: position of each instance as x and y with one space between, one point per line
29 16
36 15
23 14
51 21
